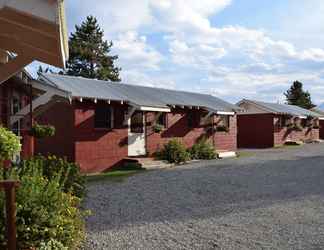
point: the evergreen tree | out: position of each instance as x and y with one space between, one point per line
297 96
89 53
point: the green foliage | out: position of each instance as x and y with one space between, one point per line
89 53
52 245
52 167
297 96
203 150
42 131
9 144
44 212
158 128
174 152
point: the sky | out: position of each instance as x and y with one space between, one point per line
232 49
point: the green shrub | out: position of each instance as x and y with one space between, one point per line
174 152
203 150
42 131
9 144
45 212
52 245
71 179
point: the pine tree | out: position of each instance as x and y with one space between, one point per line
297 96
89 53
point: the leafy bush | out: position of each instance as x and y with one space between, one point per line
52 245
174 152
42 131
203 150
70 179
9 144
44 212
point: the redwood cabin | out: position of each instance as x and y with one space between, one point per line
104 123
264 125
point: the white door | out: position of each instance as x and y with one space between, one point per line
136 134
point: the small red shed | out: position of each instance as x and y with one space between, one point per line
264 125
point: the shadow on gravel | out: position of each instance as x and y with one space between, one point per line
203 192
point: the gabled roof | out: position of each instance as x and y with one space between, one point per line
79 87
282 109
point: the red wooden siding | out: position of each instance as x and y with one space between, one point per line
177 122
99 149
61 116
263 130
321 132
255 131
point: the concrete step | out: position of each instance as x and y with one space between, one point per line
148 162
226 154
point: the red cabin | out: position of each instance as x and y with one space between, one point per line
101 123
264 125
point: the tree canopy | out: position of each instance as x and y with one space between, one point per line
89 53
295 95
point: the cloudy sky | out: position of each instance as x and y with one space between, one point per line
229 48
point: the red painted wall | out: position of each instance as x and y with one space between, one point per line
99 149
321 130
283 134
61 116
255 131
178 128
263 130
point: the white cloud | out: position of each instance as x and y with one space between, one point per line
140 78
239 61
134 52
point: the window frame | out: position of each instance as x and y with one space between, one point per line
164 118
111 123
226 120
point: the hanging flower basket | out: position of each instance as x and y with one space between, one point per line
222 128
42 131
158 128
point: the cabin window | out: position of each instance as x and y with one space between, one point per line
282 122
137 123
191 120
103 117
224 123
162 119
15 104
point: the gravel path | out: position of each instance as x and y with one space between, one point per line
272 200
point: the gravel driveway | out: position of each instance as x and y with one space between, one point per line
272 200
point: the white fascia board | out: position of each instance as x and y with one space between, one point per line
225 113
302 117
321 118
154 109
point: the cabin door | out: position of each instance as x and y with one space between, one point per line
136 134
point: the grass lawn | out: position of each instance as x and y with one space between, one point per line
116 175
245 154
288 146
